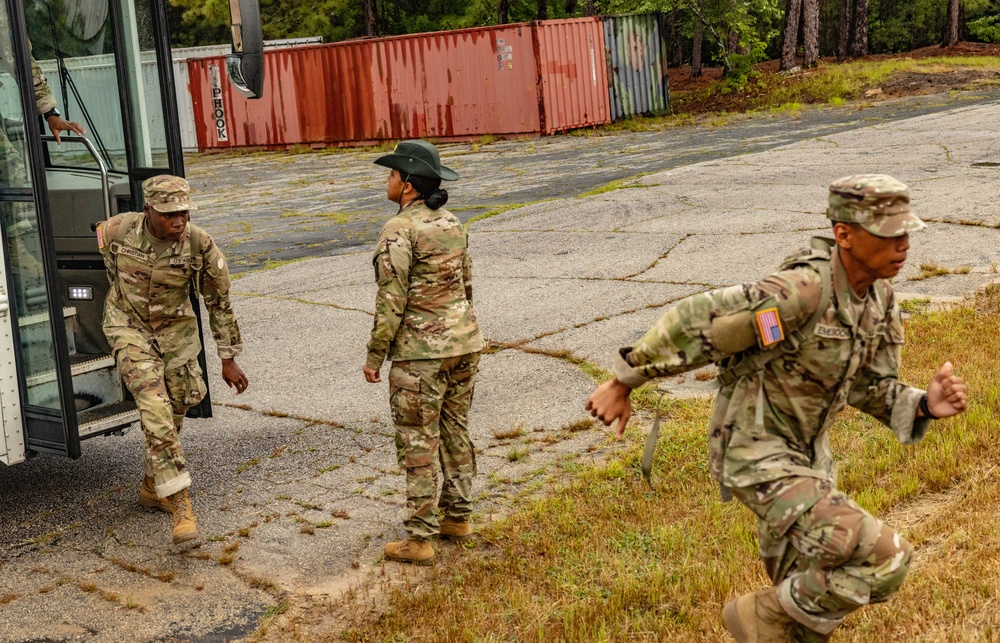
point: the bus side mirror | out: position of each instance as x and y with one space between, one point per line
246 64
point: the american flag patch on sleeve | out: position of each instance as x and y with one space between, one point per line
770 327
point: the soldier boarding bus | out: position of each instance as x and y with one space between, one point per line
102 67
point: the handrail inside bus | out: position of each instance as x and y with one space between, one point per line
105 185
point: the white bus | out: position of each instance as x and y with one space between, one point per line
58 381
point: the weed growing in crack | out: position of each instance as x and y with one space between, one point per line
517 454
515 431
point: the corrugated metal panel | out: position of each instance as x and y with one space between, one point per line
224 118
446 85
185 110
573 73
182 82
637 65
458 83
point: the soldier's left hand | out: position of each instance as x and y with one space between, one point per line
234 376
946 395
611 402
59 124
371 375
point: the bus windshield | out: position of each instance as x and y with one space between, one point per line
74 45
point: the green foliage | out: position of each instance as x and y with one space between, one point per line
737 33
985 29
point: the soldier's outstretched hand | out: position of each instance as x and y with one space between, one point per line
59 124
946 393
611 402
234 376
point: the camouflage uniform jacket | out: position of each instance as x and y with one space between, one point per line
44 101
423 309
773 423
149 303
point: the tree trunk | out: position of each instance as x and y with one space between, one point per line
570 7
844 34
696 48
859 35
810 33
503 12
676 40
951 28
370 24
590 8
790 43
543 10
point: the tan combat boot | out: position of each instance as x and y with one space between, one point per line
455 529
758 618
149 499
418 552
802 634
185 527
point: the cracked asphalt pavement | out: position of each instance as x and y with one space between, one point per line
296 485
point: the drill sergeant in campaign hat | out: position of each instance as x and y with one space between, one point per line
822 332
152 259
425 325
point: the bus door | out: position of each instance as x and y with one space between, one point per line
36 381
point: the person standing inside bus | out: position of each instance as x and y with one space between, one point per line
20 220
45 104
425 324
153 258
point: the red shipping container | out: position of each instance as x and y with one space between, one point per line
573 73
446 85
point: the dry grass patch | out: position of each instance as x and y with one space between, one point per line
603 557
928 270
510 433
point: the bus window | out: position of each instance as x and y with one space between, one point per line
144 85
74 43
13 157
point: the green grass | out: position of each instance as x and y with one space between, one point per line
831 83
845 81
928 270
336 217
500 209
620 184
601 557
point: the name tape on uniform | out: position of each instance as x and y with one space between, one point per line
832 332
769 324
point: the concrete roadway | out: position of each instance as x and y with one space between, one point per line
296 485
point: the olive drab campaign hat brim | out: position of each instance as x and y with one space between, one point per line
417 158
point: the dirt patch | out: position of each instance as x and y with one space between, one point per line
685 90
913 83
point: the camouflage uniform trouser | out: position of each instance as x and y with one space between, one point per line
430 400
826 555
163 397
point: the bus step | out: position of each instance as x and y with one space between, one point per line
35 328
105 419
95 383
80 363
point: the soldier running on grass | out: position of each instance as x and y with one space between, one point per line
794 349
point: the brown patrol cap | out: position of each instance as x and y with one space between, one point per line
877 202
167 193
